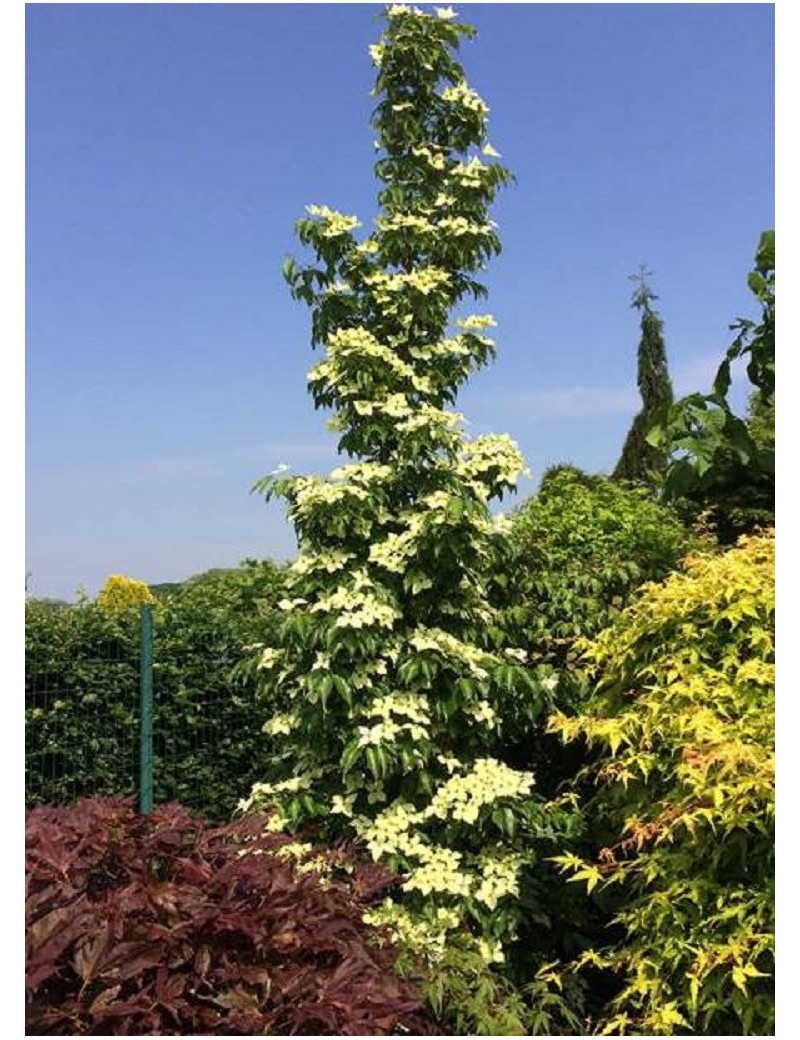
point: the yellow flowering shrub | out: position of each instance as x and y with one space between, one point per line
683 722
120 593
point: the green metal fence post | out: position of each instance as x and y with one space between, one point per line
146 712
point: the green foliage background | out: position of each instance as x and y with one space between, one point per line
82 689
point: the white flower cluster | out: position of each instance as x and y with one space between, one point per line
387 732
462 797
311 491
502 524
394 551
495 454
269 658
422 384
342 805
290 786
395 405
335 224
305 862
454 347
348 349
449 646
357 608
294 850
461 226
261 794
438 500
476 321
276 823
392 831
364 473
338 287
492 952
500 878
405 222
324 372
426 415
434 159
345 341
361 678
330 561
466 97
469 175
483 712
439 872
280 725
424 934
424 280
376 52
442 13
395 10
408 705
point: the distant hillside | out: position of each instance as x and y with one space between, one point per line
166 587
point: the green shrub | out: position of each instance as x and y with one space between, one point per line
580 547
683 720
82 690
81 701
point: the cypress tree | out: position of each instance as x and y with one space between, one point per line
641 461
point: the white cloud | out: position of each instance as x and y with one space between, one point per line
261 457
571 401
584 402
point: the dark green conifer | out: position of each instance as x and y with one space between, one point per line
639 460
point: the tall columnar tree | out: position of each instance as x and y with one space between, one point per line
388 681
640 461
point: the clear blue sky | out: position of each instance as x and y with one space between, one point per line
170 147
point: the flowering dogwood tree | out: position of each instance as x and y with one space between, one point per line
388 682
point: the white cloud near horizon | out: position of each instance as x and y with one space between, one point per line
575 402
580 401
209 464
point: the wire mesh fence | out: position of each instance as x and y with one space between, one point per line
81 712
96 687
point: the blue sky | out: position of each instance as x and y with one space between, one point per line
170 147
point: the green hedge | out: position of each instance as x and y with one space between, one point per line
82 688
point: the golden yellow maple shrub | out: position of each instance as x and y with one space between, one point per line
683 719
